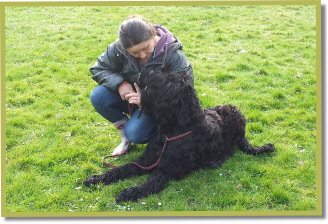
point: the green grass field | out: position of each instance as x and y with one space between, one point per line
259 58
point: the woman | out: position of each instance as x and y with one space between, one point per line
141 47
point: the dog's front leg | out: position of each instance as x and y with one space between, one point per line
153 185
114 175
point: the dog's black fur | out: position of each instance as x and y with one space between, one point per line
175 107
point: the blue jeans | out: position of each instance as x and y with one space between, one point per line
139 128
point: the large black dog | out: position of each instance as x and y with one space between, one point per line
189 137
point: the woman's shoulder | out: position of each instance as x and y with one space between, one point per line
113 47
177 55
115 50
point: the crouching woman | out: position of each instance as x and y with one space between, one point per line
140 48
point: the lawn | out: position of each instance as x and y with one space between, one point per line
259 58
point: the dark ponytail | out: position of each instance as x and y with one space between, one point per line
135 30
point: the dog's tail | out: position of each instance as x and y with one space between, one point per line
247 147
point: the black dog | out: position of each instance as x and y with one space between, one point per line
189 137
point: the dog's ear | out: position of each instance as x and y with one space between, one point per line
182 110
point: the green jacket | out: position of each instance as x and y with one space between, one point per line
116 65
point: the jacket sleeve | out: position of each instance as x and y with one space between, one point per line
107 69
180 63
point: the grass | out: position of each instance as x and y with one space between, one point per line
259 58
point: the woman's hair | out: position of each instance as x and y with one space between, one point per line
135 30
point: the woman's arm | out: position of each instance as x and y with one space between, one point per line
107 70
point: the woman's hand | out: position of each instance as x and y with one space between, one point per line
134 97
125 89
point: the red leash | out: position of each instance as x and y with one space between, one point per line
109 164
131 106
159 159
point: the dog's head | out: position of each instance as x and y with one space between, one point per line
168 99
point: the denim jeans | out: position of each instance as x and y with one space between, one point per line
139 128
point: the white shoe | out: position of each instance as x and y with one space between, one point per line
121 149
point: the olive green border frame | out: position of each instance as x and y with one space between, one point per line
319 161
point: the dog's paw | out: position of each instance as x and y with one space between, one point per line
92 180
130 194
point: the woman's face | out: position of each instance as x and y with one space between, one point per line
144 50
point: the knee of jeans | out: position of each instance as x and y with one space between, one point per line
97 96
94 96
